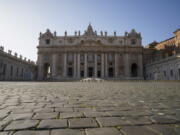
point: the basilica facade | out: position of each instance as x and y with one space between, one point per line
73 57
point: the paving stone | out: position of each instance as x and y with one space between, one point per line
32 133
165 119
19 116
138 130
22 124
46 115
82 123
63 109
96 114
21 110
52 124
3 115
43 110
4 133
3 124
103 131
67 132
164 129
71 115
139 120
112 121
131 103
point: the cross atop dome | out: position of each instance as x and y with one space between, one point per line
89 31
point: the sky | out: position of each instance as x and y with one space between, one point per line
21 21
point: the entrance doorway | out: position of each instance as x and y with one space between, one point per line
111 72
90 71
134 71
70 72
47 71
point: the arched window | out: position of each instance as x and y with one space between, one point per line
82 41
47 41
133 41
134 70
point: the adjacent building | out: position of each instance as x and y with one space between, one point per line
14 68
162 60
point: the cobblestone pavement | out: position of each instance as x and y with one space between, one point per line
90 108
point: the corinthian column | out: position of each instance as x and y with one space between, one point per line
116 65
102 65
75 65
85 65
95 65
78 65
106 65
54 65
127 66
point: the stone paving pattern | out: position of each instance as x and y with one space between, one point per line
89 108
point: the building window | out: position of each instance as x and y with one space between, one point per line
47 41
90 57
110 58
165 73
98 58
11 73
82 58
4 69
171 72
179 71
121 42
70 58
133 41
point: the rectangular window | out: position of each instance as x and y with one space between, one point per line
165 73
11 73
4 69
171 72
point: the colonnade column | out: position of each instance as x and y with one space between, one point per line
102 65
65 63
74 65
116 64
127 66
54 65
85 65
78 65
106 65
95 65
